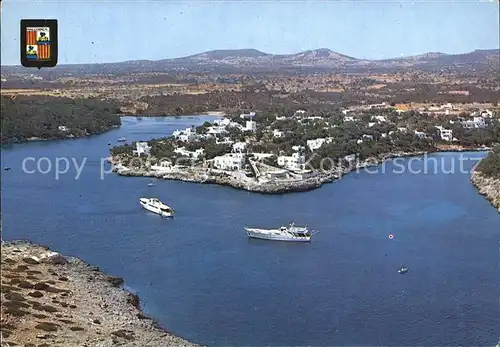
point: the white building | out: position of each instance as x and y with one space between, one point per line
403 130
250 115
230 162
235 125
191 154
317 143
251 125
294 162
278 133
349 119
382 105
63 128
420 134
445 134
224 141
301 112
260 156
483 113
350 158
486 114
367 137
239 147
186 135
371 124
142 148
476 123
381 119
164 166
313 118
217 130
222 121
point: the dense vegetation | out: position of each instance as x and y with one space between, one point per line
27 117
490 166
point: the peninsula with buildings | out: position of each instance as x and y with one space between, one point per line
278 152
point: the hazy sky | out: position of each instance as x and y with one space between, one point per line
107 31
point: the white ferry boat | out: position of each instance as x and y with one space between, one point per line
284 233
156 206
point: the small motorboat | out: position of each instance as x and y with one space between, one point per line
403 270
156 206
122 139
109 143
6 168
151 184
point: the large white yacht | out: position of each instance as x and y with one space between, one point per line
156 206
284 233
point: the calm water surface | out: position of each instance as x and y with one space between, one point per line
201 277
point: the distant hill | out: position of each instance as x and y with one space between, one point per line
254 61
226 53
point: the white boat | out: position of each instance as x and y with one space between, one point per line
156 206
151 184
284 233
122 139
402 270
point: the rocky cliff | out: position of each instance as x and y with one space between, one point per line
52 300
487 186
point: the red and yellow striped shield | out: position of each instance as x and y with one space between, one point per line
41 42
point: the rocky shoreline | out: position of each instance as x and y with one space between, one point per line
489 187
52 300
199 175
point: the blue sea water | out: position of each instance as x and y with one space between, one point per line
203 279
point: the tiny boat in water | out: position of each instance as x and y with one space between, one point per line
156 206
6 168
151 184
403 270
122 139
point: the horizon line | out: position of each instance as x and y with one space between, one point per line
275 54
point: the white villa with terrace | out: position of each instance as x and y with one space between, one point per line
230 162
445 134
191 154
294 162
186 135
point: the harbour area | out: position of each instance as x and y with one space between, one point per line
53 300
